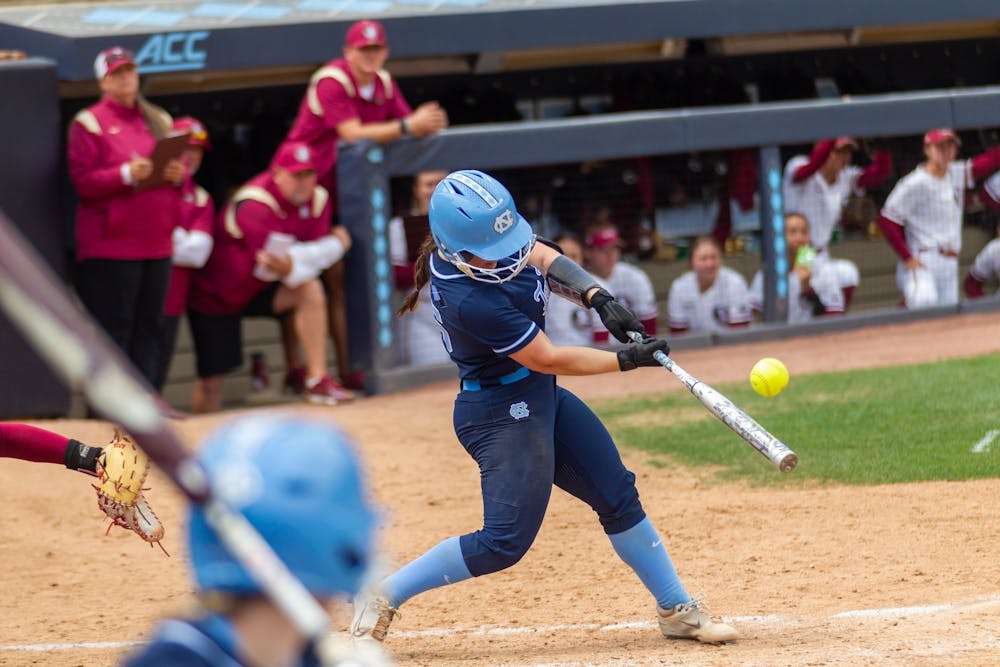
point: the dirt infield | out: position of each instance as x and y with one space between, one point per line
905 574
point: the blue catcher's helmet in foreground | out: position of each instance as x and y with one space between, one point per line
299 484
473 213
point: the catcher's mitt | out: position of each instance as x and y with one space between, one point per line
122 468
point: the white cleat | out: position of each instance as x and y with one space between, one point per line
692 620
372 617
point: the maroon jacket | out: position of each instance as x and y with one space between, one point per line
331 99
227 284
113 221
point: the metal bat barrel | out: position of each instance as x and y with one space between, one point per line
746 427
729 414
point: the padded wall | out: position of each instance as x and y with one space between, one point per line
30 196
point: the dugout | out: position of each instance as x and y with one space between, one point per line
241 67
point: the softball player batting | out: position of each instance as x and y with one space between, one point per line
488 289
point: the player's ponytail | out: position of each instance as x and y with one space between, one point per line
421 274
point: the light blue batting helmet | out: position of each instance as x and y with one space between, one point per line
299 483
472 212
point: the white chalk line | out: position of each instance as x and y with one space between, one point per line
987 442
540 629
490 630
67 646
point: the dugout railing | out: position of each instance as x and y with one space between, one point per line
369 176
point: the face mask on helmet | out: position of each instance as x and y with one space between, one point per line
472 214
299 484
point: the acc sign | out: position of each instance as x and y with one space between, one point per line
172 52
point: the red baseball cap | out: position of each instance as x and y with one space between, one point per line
109 60
603 237
941 135
366 33
295 156
199 136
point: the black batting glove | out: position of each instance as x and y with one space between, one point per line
618 319
641 354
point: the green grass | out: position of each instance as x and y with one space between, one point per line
876 426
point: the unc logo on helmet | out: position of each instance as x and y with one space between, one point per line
472 213
504 222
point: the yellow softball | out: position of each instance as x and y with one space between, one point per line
768 377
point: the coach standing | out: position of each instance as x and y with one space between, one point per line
123 243
349 99
192 240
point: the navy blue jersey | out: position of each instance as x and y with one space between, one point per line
209 641
483 322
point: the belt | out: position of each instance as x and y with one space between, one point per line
510 378
941 251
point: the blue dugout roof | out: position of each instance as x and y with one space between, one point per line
236 34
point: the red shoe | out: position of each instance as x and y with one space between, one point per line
355 381
295 381
325 391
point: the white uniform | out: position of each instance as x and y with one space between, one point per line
992 187
827 282
630 286
568 324
986 266
823 204
726 303
930 211
418 331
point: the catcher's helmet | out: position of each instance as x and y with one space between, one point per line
299 484
473 213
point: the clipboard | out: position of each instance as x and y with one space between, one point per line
168 148
416 228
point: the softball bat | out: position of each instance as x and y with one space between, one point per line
729 414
